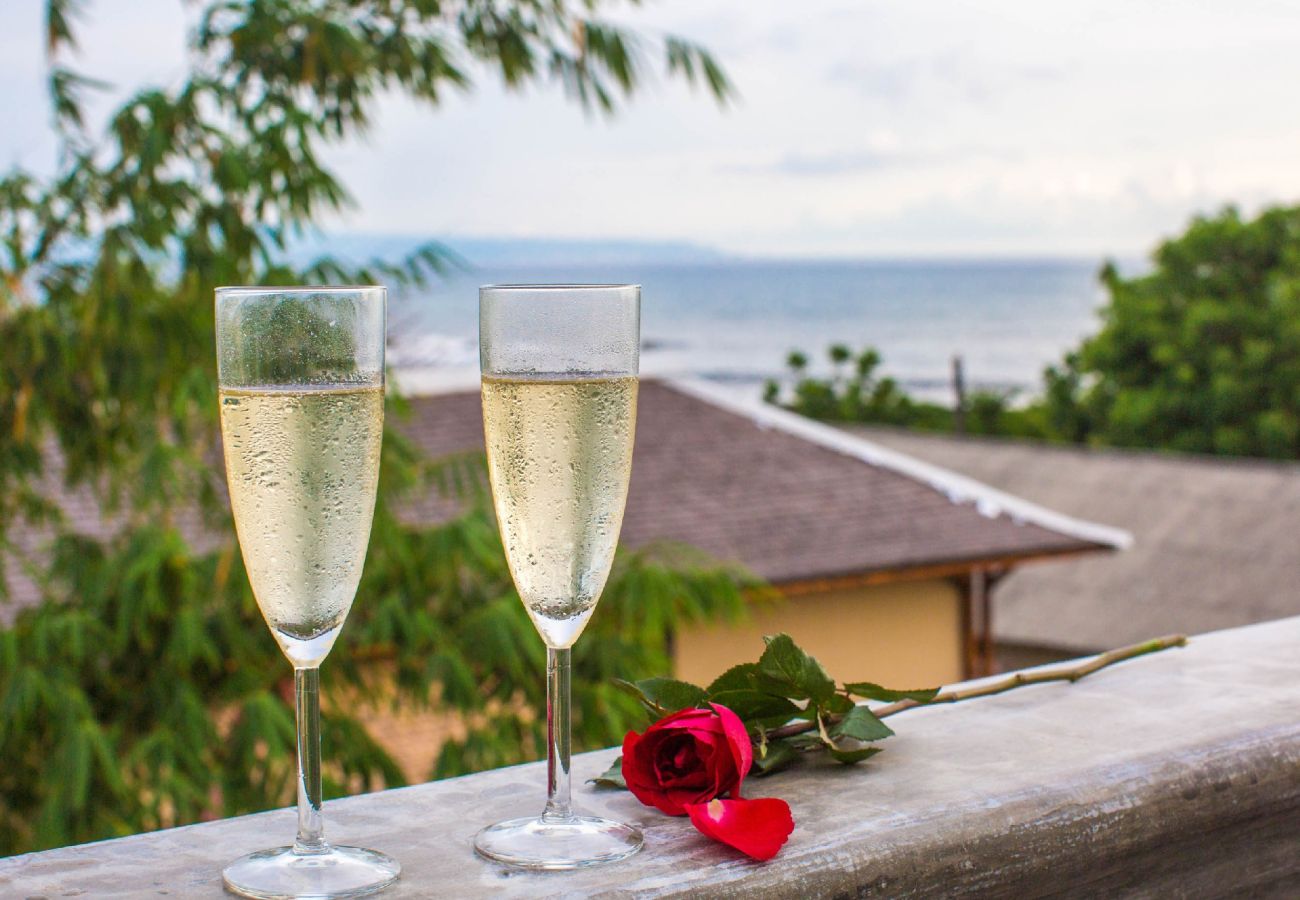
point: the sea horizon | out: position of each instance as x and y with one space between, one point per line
488 251
735 320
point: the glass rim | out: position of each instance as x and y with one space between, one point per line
559 287
299 289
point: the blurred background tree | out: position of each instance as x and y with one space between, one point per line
1202 353
857 392
144 691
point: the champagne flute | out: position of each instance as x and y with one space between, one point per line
301 376
559 413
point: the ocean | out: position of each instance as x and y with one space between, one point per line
736 321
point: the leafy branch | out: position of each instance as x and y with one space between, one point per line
791 706
1070 673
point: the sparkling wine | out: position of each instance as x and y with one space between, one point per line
559 454
302 465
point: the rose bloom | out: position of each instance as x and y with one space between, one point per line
692 756
685 762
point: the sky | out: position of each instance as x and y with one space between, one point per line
863 128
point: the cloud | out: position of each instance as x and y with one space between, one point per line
863 160
1035 213
839 162
953 73
862 127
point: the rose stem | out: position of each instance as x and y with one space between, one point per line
1011 682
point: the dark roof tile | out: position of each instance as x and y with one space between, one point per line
785 507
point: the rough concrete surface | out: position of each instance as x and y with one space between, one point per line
1171 775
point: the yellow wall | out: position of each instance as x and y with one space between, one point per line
901 635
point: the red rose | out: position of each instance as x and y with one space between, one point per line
692 756
685 762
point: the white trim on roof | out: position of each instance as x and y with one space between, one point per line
958 488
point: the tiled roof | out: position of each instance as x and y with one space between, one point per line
1215 537
744 488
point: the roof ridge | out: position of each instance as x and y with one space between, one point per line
988 501
1145 454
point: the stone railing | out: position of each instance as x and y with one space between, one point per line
1171 775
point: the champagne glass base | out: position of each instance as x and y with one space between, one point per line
553 844
282 874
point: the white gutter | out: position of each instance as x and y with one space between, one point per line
988 501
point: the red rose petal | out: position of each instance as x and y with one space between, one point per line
694 719
738 738
674 758
671 803
684 797
711 749
642 781
757 828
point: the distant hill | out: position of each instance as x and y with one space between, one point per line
493 252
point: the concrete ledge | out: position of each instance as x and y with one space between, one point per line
1176 774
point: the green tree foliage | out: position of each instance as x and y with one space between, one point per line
861 394
144 691
1201 354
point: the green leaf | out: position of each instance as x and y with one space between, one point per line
737 678
785 662
861 724
611 777
869 691
632 690
838 704
672 694
808 741
667 695
849 757
780 754
756 707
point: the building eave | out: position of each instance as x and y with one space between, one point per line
927 571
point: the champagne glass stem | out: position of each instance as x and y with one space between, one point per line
311 823
558 731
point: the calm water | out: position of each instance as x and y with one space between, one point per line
736 321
